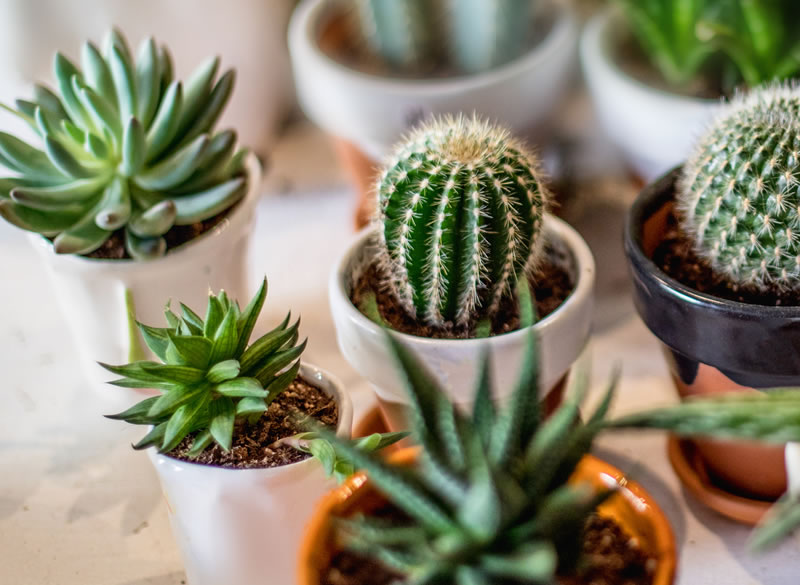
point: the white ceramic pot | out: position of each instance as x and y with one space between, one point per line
92 293
653 129
249 35
562 335
373 112
244 526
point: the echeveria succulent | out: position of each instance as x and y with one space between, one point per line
209 374
124 146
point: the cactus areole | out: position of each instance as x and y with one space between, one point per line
460 207
739 196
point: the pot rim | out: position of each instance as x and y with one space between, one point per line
305 24
582 292
633 493
236 219
594 51
650 200
309 373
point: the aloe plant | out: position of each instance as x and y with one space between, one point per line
209 375
124 146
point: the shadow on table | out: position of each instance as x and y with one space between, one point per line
666 499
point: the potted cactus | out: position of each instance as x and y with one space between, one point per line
461 239
238 497
133 195
658 68
714 258
367 74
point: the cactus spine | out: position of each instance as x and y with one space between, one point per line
460 208
739 194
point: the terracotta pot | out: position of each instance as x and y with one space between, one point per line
713 345
633 509
563 334
371 111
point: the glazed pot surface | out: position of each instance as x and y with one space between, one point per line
713 345
632 508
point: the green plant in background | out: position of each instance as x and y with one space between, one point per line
734 41
403 33
489 501
209 375
760 38
124 146
418 36
666 32
738 193
460 210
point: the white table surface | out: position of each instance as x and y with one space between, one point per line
79 507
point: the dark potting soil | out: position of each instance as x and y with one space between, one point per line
611 557
676 257
254 446
114 247
551 286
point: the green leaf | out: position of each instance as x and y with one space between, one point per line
201 442
247 321
97 73
154 221
82 238
166 122
153 438
211 110
483 412
225 338
34 220
281 382
250 406
222 371
157 340
214 315
198 89
148 82
67 197
133 148
536 564
138 413
193 319
124 82
171 400
241 388
133 370
116 205
266 345
143 249
278 362
180 424
195 350
179 374
324 452
27 159
63 160
173 170
223 414
368 305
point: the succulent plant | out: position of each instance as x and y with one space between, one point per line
738 194
460 207
124 147
209 375
488 500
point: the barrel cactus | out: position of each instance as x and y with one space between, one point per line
738 195
124 147
460 208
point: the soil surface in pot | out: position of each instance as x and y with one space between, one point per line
611 557
256 446
114 247
552 286
676 257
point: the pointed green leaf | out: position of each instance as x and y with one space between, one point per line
250 406
181 422
223 413
242 388
138 413
266 345
222 371
247 320
195 350
156 339
201 442
154 438
225 338
179 374
278 362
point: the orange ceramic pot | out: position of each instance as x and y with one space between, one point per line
632 508
713 345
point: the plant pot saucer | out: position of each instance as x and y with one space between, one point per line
691 470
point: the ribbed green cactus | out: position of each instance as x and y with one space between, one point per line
460 206
738 195
124 146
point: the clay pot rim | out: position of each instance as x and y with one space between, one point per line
308 19
630 492
652 198
313 375
581 293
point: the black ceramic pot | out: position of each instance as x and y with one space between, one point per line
713 345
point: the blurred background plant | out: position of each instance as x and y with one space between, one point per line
730 41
